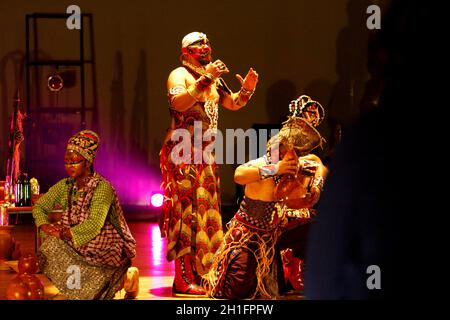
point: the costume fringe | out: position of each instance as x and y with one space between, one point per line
264 242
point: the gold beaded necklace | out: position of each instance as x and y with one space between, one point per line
199 70
211 106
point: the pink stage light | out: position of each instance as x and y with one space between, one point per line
157 199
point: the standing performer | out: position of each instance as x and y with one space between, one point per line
191 218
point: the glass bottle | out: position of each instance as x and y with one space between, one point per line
19 191
26 190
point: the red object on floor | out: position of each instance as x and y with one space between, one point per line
25 287
28 264
292 267
184 282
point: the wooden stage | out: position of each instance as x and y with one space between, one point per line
156 273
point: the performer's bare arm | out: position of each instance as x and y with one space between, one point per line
322 170
318 181
177 85
248 172
183 89
257 170
239 99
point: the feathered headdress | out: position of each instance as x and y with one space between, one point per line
298 131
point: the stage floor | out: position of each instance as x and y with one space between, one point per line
156 273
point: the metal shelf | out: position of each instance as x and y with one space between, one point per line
38 110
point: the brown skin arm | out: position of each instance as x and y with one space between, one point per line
249 172
248 83
322 171
182 101
180 77
257 189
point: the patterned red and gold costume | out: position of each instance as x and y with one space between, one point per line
191 218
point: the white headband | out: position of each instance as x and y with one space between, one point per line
191 38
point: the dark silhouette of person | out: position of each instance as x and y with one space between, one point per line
366 241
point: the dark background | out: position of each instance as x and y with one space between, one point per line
318 48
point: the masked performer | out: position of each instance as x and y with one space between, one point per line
191 220
299 211
244 267
87 253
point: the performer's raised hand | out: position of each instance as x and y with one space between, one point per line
217 69
250 80
288 165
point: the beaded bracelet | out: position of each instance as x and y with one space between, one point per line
267 171
244 96
246 92
209 76
194 92
318 182
204 82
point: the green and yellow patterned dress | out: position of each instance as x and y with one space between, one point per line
102 245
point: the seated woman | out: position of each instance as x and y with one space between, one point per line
243 267
88 252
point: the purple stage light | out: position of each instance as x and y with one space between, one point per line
157 199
